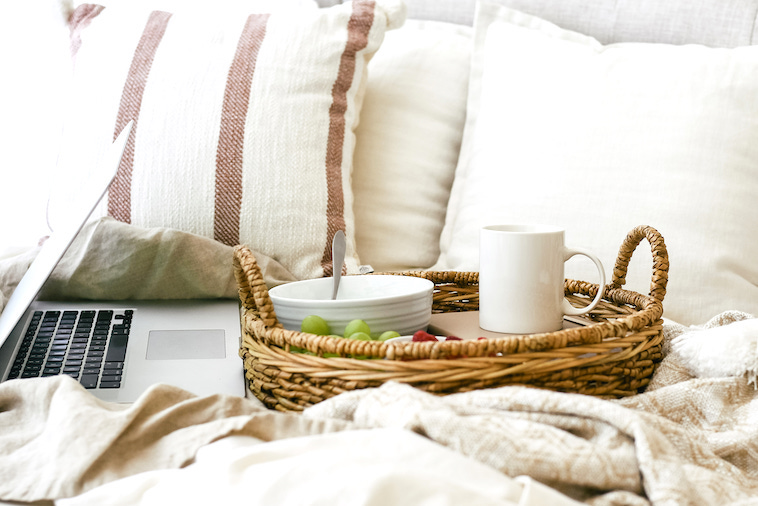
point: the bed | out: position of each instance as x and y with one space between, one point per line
412 158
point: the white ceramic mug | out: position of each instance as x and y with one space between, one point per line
521 279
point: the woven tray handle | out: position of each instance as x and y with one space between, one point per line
252 288
660 260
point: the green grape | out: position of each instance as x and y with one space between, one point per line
356 326
360 336
387 335
295 349
314 324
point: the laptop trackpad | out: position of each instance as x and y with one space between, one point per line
185 344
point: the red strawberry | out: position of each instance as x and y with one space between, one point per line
453 338
421 336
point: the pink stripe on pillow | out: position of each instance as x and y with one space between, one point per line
229 159
358 28
79 20
120 194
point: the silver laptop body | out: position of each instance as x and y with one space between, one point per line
117 349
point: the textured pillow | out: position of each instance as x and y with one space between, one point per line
408 142
244 122
599 139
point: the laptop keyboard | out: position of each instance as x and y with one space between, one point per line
88 345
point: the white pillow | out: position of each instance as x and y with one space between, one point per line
408 141
599 139
244 122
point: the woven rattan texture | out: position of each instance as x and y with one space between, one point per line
613 357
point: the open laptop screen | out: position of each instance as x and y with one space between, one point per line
56 245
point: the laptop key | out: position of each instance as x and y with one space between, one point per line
110 384
89 380
117 348
111 375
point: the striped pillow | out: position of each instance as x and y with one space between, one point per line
244 123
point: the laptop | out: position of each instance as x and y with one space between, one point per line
117 350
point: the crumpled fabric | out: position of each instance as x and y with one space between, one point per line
686 440
355 467
111 260
57 440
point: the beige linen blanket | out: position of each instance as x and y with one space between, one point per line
685 441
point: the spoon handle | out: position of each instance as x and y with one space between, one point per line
338 258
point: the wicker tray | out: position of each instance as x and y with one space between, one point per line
613 357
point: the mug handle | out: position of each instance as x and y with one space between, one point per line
567 308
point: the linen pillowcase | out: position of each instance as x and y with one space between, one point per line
599 139
244 123
408 142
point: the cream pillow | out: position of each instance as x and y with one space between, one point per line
408 142
244 120
599 139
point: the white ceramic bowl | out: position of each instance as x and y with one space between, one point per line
384 302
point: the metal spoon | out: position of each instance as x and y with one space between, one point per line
338 258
